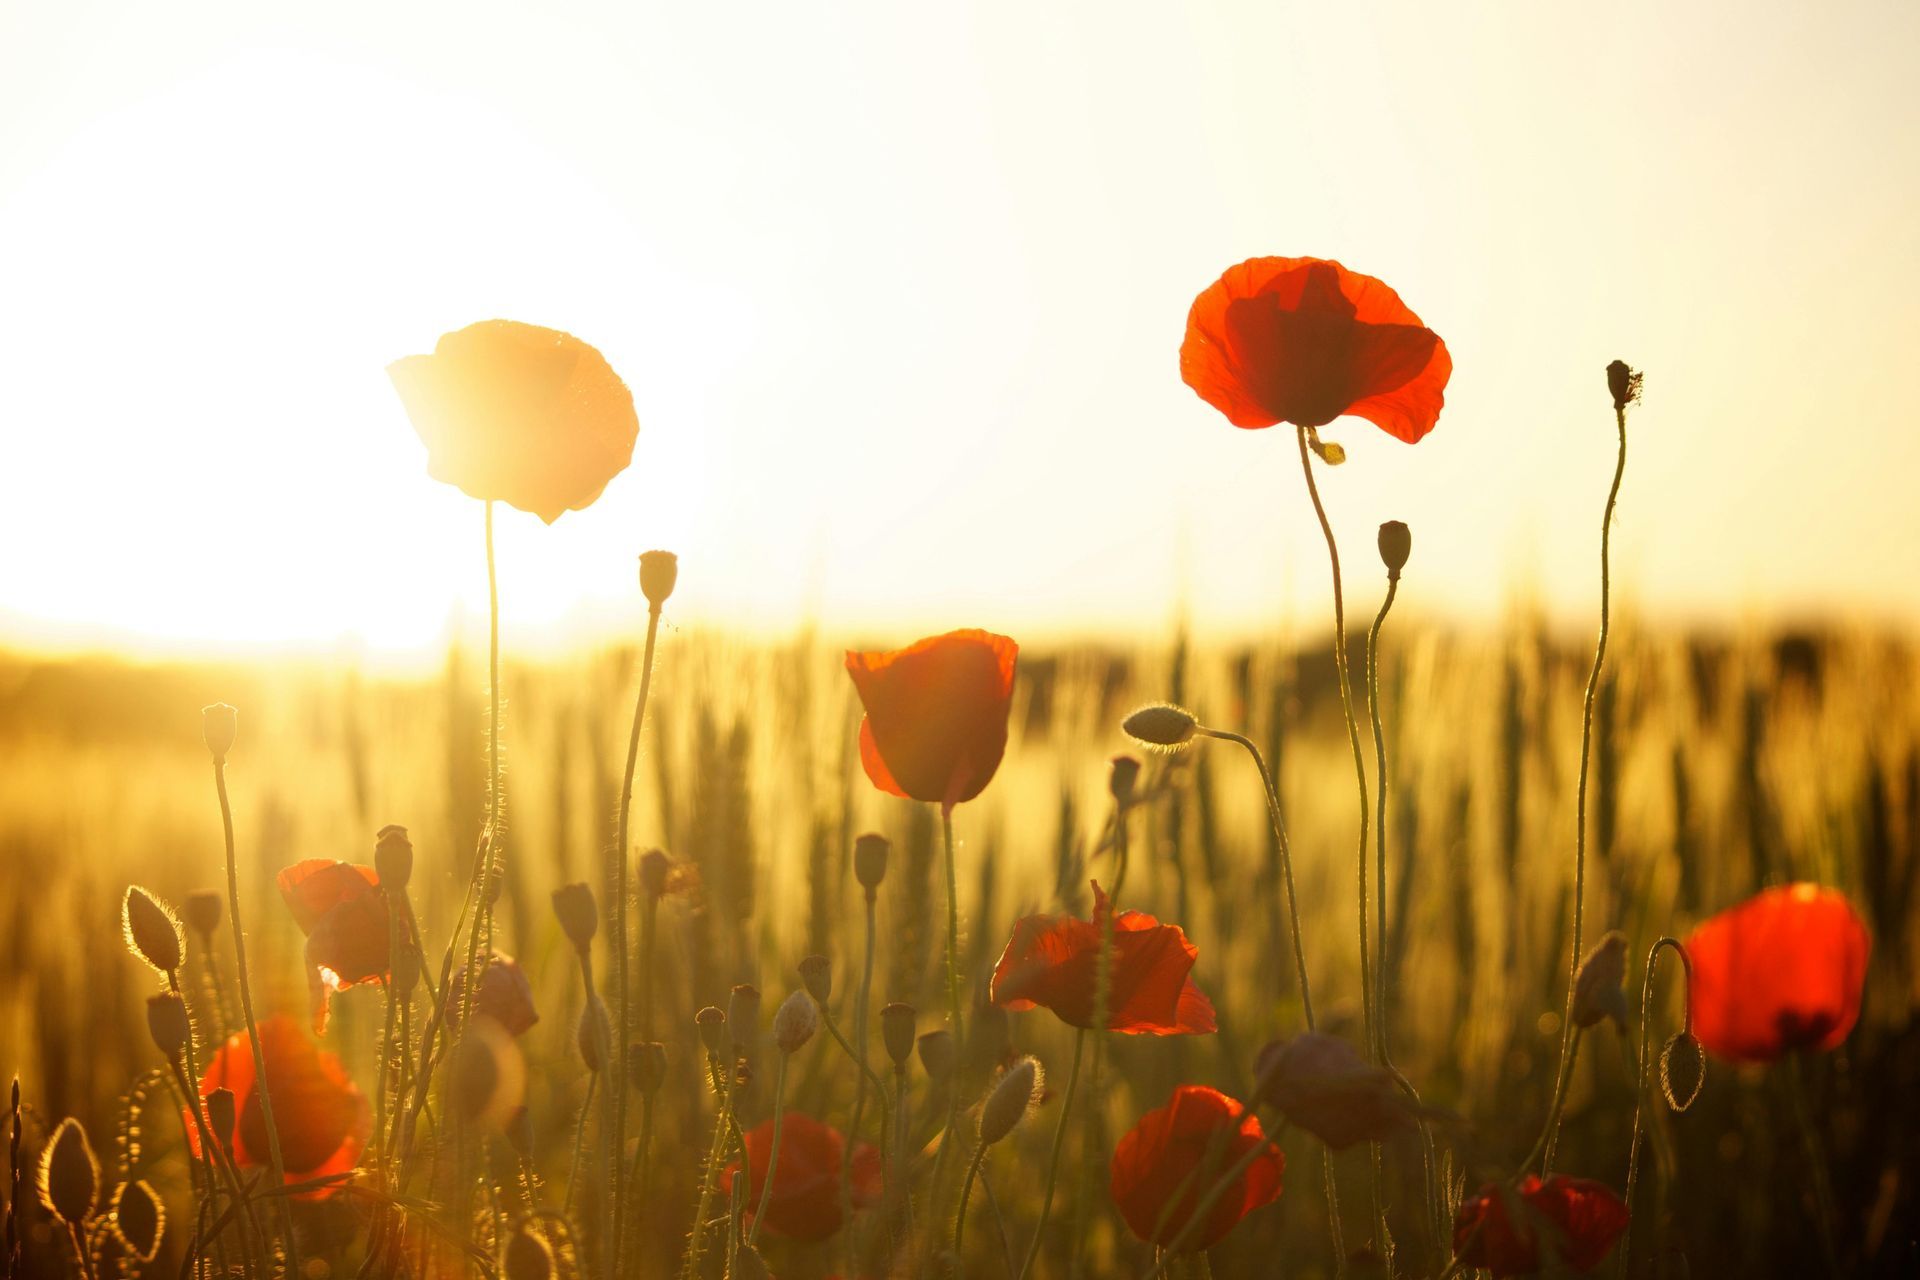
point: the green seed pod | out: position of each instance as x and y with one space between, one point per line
659 572
816 973
897 1031
936 1053
152 931
167 1023
795 1021
1161 725
1123 778
218 724
393 858
579 914
202 911
713 1028
870 861
1396 544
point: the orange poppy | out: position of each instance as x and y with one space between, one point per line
1172 1158
1784 970
936 722
533 417
1499 1228
1053 961
1304 340
340 908
505 995
323 1119
806 1187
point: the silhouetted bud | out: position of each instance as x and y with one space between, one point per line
647 1066
579 914
519 1132
1123 776
659 571
406 969
594 1033
794 1022
393 858
1017 1093
1624 383
896 1032
743 1016
1321 1083
220 1116
936 1053
1161 725
1396 544
218 724
870 860
528 1257
1683 1070
713 1028
202 911
69 1174
138 1219
656 873
167 1023
1597 989
816 974
152 931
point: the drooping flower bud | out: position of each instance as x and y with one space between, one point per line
579 914
1123 778
713 1028
202 911
594 1033
220 1116
167 1023
870 861
69 1174
1161 725
1683 1070
659 571
816 974
138 1218
794 1022
936 1053
896 1032
743 1016
656 873
647 1066
393 858
1396 544
1623 382
1017 1093
1597 990
152 931
218 724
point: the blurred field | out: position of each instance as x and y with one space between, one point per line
1722 763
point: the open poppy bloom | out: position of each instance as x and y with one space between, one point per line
340 908
1167 1163
806 1187
1782 971
1053 961
504 994
1321 1083
1304 340
936 722
533 417
323 1120
1503 1229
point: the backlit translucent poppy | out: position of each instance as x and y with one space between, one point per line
1304 340
340 908
1782 971
1516 1232
532 417
936 722
1053 961
1167 1163
806 1186
323 1119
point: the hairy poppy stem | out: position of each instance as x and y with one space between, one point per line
1053 1160
1543 1145
1640 1083
1816 1162
716 1151
860 1094
773 1152
941 1158
966 1193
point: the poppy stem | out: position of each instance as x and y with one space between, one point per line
966 1193
716 1151
580 1141
1816 1161
1053 1161
773 1152
1640 1084
860 1094
1580 792
953 1008
1543 1145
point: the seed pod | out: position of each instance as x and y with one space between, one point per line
659 571
202 911
167 1024
1396 544
794 1022
1683 1071
69 1174
405 969
816 972
528 1257
896 1032
220 1116
1597 991
579 914
743 1016
594 1034
713 1028
870 861
393 858
139 1219
1123 777
218 723
936 1053
1161 725
1623 383
647 1066
656 873
152 931
1017 1093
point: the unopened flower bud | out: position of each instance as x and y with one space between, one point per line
1624 384
1161 725
69 1175
647 1066
794 1022
936 1053
713 1028
656 873
1683 1070
220 1116
870 860
659 571
816 973
896 1032
1396 544
218 724
151 930
1123 776
393 858
743 1016
528 1257
405 969
593 1033
167 1023
1597 990
1017 1093
579 914
202 911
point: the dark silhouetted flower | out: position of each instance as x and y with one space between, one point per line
323 1120
1321 1083
806 1188
1504 1229
504 994
1203 1133
1782 971
340 908
936 722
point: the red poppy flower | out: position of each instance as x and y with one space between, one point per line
340 908
1304 340
531 416
1054 961
936 722
1781 971
1168 1162
806 1186
323 1120
505 995
1501 1229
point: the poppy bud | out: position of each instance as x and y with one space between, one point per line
743 1016
69 1174
816 973
202 911
138 1219
152 931
528 1257
1123 775
1624 384
794 1022
1161 725
896 1032
519 1133
713 1028
647 1066
1597 989
659 570
594 1032
936 1053
656 872
220 1116
218 723
1017 1093
167 1023
393 858
1683 1070
405 969
1396 544
870 861
579 914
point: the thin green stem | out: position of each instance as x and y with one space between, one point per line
580 1141
1380 820
941 1159
1543 1145
966 1193
1640 1082
1816 1162
773 1151
1053 1160
860 1092
715 1152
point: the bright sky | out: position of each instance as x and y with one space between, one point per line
899 289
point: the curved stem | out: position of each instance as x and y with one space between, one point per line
1053 1161
1543 1145
773 1152
1640 1083
966 1193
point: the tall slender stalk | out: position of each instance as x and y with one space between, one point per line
966 1193
1053 1160
773 1151
953 1006
1640 1082
860 1089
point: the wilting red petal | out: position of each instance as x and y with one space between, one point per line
318 885
1181 1150
936 722
806 1186
1304 340
1053 961
531 416
1502 1229
322 1118
1784 970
